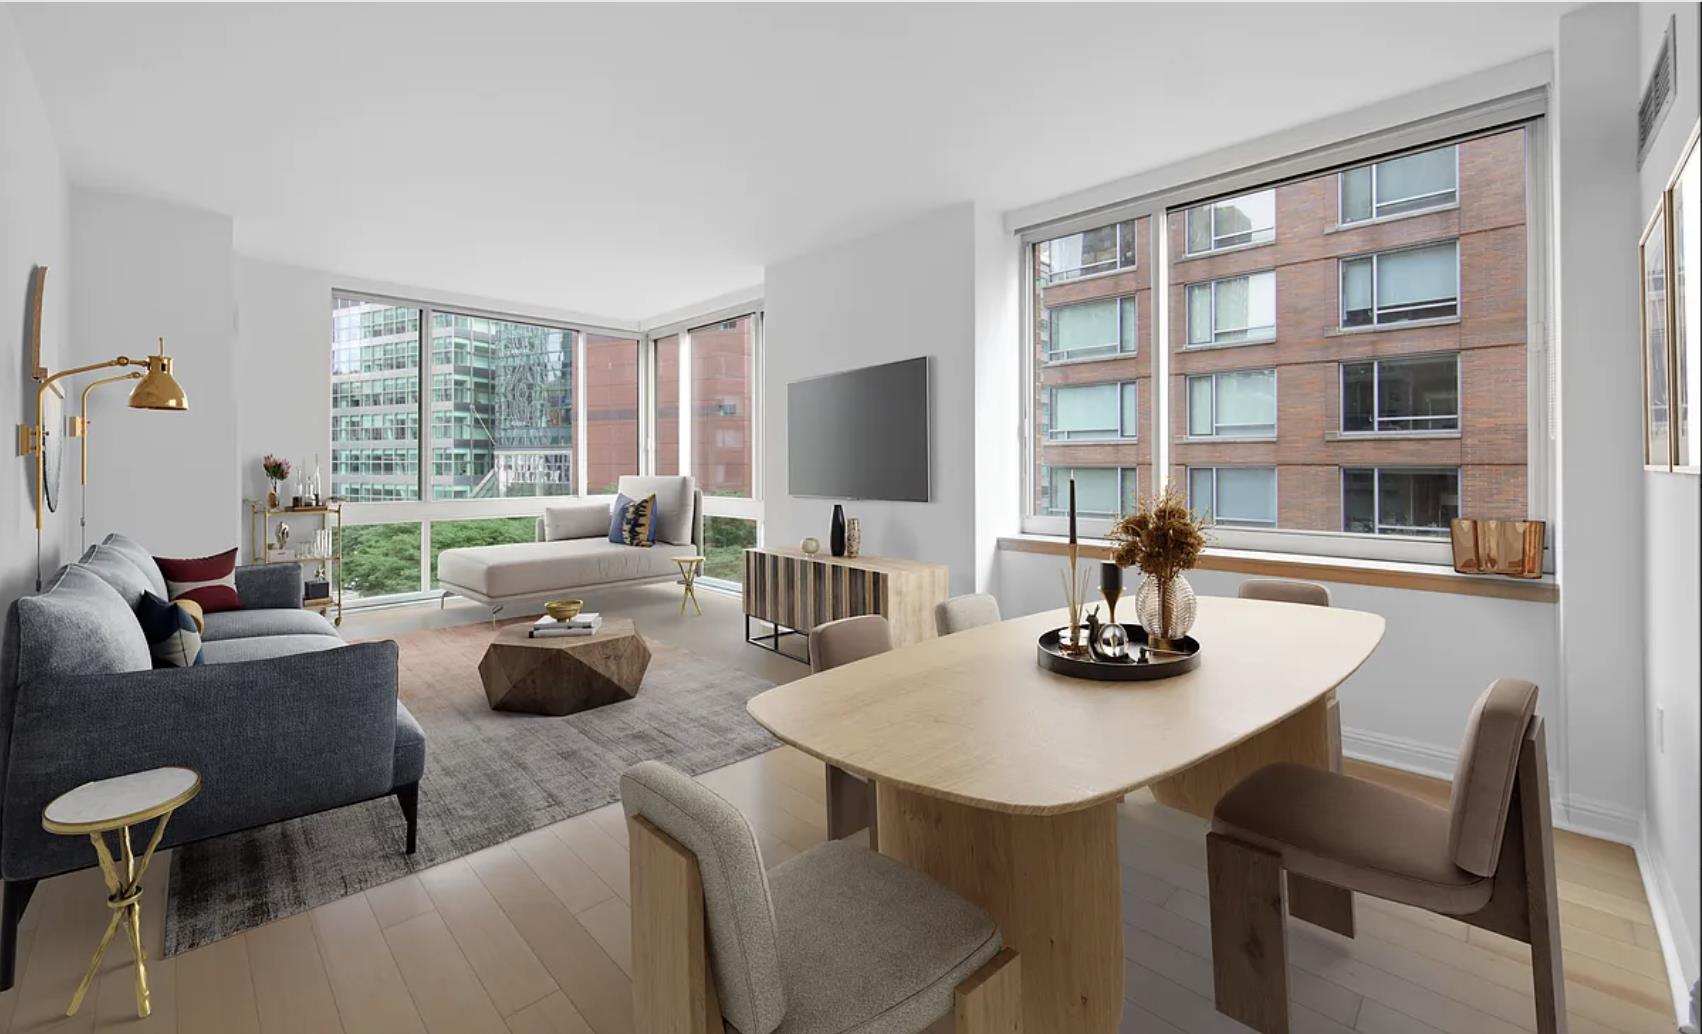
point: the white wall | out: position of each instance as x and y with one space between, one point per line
904 292
148 270
1671 564
33 231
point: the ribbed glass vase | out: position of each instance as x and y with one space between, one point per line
1167 615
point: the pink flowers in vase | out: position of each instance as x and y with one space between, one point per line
277 469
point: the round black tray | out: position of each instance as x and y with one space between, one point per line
1159 664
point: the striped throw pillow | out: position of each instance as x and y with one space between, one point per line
170 630
209 581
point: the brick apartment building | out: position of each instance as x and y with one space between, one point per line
722 380
1347 351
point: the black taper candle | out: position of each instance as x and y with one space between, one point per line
1072 509
1110 578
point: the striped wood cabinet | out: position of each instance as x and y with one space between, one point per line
786 587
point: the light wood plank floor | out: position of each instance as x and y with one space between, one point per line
532 936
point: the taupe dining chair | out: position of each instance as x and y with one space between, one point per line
850 800
1487 859
1285 590
963 612
838 939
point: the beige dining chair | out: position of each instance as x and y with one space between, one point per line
1487 859
1285 590
850 800
836 939
965 612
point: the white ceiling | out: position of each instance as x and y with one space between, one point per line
626 160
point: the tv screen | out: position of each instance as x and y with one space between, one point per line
861 434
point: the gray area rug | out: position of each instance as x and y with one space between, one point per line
489 777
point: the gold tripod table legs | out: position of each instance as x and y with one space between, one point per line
124 882
690 568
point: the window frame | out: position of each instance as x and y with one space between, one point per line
1341 195
1276 493
1130 384
1377 323
1216 435
1377 497
1124 471
1377 398
1062 357
1211 230
1289 157
1054 277
1188 312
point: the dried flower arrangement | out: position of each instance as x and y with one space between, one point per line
1162 538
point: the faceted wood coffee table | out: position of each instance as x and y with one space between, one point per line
563 674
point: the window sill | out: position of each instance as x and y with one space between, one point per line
1226 439
1218 346
1051 442
1214 253
1380 220
1049 364
1388 436
1381 573
1089 278
1384 328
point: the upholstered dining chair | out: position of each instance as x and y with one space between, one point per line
1285 590
850 800
964 612
838 939
1487 859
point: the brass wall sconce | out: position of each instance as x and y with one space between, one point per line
78 427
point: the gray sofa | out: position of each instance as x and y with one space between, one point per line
283 718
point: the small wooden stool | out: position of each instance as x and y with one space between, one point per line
114 805
690 568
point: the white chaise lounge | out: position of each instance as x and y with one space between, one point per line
573 554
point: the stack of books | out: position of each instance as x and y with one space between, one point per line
584 624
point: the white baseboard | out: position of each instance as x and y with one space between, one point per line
1670 928
1591 817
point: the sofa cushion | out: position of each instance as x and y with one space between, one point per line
579 521
676 501
246 624
632 522
539 568
138 555
409 762
170 629
78 625
260 648
116 570
208 580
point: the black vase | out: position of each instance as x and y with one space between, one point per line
837 536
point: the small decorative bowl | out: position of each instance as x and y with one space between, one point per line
810 546
564 610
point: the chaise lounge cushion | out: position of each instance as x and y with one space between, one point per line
539 568
579 521
257 648
245 624
676 501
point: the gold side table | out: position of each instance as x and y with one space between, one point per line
113 806
690 568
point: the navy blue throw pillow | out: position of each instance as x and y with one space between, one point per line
170 631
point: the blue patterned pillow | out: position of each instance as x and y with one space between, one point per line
632 522
172 635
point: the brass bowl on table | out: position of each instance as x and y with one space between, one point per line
564 610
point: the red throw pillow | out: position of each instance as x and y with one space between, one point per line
209 580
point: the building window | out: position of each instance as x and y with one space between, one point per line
1102 249
1234 496
1232 222
1234 310
1088 412
1399 186
1242 404
375 395
611 411
1092 329
1383 396
1103 492
1420 283
723 376
1400 500
665 402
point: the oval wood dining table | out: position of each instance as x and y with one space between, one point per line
1001 779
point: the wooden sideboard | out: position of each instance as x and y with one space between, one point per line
795 592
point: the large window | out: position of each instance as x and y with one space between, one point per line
1092 329
1232 311
1103 249
1377 363
1232 222
665 404
611 411
1085 412
1382 396
1421 283
1244 496
1399 501
723 376
1238 404
1106 492
1400 186
375 394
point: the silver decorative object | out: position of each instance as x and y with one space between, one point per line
283 535
1112 642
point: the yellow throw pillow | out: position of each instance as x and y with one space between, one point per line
195 613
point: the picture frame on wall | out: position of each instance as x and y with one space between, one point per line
1657 348
1684 229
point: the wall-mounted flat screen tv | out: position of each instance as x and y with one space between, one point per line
860 434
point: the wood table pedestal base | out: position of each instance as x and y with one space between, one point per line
1051 882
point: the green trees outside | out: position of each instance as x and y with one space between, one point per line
381 559
724 543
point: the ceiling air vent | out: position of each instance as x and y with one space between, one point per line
1658 95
